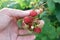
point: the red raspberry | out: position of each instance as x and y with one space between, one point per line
28 19
33 13
37 30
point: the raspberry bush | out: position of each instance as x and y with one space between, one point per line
50 15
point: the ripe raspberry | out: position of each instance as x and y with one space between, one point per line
37 30
33 13
28 19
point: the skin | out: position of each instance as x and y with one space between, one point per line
8 27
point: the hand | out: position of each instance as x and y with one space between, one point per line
8 27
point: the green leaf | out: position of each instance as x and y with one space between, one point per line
58 30
51 5
19 23
23 3
4 4
44 38
14 6
52 35
43 14
43 0
39 36
57 1
57 13
48 29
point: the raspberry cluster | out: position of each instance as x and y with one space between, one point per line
31 21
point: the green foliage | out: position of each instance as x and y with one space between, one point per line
57 11
19 22
23 3
58 15
14 5
51 16
57 1
58 30
51 5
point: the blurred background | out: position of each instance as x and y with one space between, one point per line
51 15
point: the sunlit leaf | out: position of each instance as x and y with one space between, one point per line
51 5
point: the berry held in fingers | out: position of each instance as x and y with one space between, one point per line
28 19
31 22
37 30
33 13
